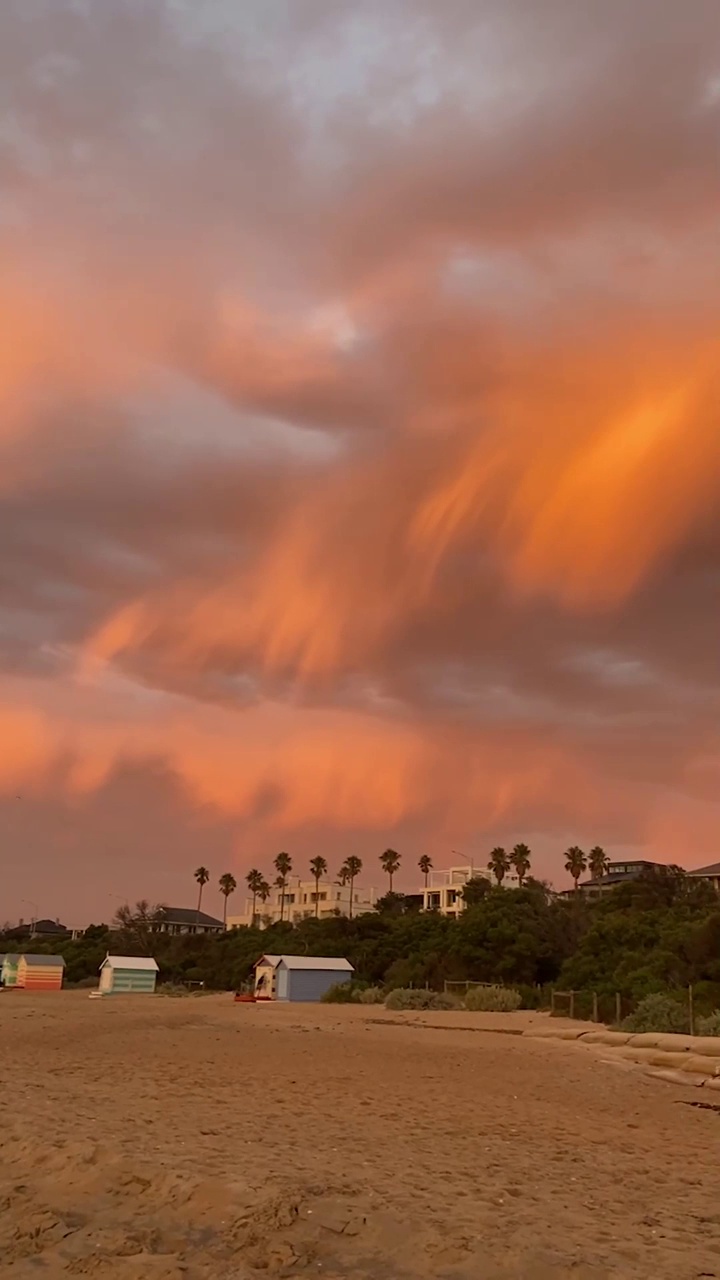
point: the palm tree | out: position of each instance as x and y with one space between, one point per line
350 868
263 890
575 863
228 885
425 865
202 875
598 862
520 860
390 862
283 866
499 863
318 867
255 881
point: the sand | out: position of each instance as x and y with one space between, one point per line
146 1138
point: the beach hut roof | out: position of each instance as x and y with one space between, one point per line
44 962
272 960
130 962
317 962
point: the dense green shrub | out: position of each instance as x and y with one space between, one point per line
417 998
709 1026
341 993
658 1013
372 995
492 1000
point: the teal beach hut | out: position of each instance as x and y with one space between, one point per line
127 975
9 970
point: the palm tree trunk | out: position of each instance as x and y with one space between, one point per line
427 873
390 878
225 898
200 896
253 910
350 904
317 897
282 902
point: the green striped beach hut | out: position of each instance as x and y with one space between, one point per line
125 975
9 970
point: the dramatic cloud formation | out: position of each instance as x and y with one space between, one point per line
359 439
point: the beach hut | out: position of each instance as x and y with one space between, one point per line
300 978
8 973
123 975
40 973
265 977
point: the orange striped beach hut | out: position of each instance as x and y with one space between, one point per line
40 973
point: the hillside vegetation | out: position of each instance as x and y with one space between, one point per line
658 934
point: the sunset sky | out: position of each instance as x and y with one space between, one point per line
359 437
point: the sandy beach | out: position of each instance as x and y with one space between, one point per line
159 1138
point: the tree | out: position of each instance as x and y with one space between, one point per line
520 860
475 890
499 863
425 865
598 862
138 922
391 904
390 862
255 882
228 885
283 866
576 864
263 891
350 868
202 875
318 867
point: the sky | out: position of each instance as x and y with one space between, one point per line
359 438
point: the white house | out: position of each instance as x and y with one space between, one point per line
443 891
304 899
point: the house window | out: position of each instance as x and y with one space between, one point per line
290 897
452 897
304 897
433 900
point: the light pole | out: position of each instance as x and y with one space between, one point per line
28 903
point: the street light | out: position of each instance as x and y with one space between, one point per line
28 903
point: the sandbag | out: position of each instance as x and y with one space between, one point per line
554 1033
700 1064
674 1077
675 1043
630 1053
707 1044
605 1037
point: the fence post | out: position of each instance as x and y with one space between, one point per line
572 1004
618 1008
595 1007
552 1002
691 1010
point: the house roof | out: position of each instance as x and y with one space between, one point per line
49 926
712 870
187 915
273 960
45 962
130 962
317 962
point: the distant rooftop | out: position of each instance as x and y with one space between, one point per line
187 915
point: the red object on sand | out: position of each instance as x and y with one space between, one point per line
242 999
